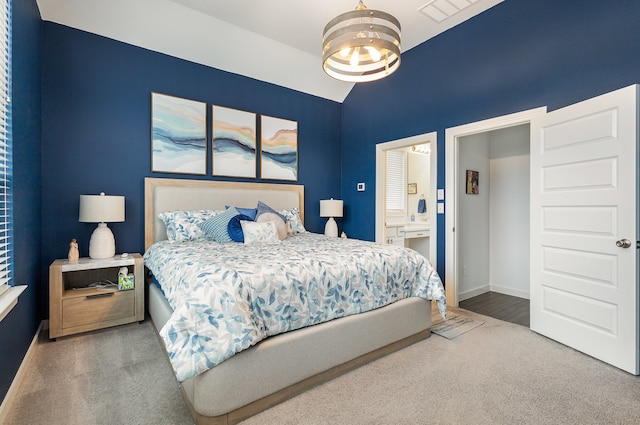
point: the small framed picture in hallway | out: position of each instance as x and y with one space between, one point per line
472 182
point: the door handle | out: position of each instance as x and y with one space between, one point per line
623 243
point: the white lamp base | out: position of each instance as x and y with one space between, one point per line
331 228
102 243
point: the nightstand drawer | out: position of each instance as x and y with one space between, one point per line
97 308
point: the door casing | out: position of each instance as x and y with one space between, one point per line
452 136
381 148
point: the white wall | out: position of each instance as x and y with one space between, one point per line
509 204
493 226
473 221
418 171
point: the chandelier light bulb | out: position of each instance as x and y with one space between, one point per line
355 58
345 52
374 53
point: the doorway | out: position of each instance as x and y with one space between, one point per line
382 218
469 239
583 220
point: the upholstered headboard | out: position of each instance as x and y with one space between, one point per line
180 194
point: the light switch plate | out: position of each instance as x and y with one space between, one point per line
440 194
360 187
440 207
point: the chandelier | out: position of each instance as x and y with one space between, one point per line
361 45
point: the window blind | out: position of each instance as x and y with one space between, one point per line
6 160
396 182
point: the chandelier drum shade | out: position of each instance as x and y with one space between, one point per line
361 45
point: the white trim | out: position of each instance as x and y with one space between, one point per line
473 292
9 299
432 139
510 291
451 159
17 380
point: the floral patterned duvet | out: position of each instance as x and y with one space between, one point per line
227 297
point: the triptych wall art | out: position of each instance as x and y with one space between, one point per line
179 135
234 142
279 149
179 141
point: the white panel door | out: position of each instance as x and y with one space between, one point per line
584 287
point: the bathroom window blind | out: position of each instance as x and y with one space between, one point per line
396 181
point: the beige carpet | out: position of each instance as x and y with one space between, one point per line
498 373
454 326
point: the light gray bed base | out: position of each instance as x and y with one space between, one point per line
284 360
285 365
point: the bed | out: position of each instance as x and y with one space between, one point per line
233 385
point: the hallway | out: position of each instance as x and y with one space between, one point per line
500 306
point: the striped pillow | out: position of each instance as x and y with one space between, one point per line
216 227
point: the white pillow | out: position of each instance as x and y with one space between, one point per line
259 232
266 213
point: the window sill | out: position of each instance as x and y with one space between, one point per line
9 299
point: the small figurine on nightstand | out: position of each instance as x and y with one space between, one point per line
343 235
73 251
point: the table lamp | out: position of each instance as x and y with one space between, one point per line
101 209
331 208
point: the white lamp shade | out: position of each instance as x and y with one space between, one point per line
331 208
101 208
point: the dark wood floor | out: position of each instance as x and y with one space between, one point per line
499 306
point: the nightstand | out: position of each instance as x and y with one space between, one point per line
75 306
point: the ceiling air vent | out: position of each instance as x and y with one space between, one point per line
440 10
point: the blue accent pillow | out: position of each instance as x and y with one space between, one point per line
234 228
216 227
249 212
264 208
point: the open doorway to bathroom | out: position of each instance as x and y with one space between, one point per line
406 186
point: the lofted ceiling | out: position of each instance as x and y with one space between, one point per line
277 41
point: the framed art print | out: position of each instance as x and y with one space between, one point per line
279 149
178 135
234 142
473 187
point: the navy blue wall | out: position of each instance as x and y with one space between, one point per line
19 327
94 118
96 130
519 55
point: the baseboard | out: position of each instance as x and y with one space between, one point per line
473 293
510 291
493 288
17 380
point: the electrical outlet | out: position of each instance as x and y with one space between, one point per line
440 207
440 194
360 187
